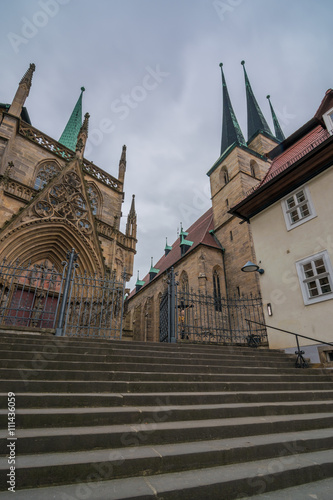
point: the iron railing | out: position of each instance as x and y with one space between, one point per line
196 316
300 361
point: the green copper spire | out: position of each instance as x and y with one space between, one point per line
69 136
255 119
231 131
278 130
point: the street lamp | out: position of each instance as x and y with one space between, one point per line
249 267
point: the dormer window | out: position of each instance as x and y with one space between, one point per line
328 119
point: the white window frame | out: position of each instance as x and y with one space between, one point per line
303 279
291 225
328 119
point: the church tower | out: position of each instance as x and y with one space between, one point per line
241 166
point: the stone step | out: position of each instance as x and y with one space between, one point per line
195 367
179 421
60 468
316 490
143 356
107 399
77 417
42 358
160 431
20 385
39 340
146 376
223 482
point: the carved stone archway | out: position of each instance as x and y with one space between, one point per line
50 239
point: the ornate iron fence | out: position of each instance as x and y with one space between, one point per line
40 296
29 295
205 318
198 317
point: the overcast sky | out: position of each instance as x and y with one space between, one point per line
152 78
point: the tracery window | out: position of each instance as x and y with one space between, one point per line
45 173
94 198
184 282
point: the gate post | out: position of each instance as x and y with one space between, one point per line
72 256
172 294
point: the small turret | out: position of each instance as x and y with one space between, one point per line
122 165
167 248
82 137
139 283
131 225
153 271
22 92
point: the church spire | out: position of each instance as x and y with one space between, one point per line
278 130
131 225
231 131
255 119
82 137
22 91
70 134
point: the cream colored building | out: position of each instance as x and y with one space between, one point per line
290 214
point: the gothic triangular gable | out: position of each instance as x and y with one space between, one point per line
58 218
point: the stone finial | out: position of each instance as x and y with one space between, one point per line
27 77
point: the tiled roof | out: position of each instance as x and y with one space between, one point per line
198 233
301 148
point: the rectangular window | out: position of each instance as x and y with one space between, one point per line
315 276
298 208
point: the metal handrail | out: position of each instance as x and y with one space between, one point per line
300 361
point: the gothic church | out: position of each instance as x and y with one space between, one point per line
53 199
209 255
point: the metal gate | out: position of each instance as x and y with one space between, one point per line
29 295
39 296
206 318
168 323
198 317
164 317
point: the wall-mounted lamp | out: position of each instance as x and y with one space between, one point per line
269 309
249 267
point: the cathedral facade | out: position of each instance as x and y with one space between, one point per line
52 199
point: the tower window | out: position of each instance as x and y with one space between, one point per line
254 169
231 236
224 176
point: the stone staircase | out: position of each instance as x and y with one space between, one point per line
111 420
